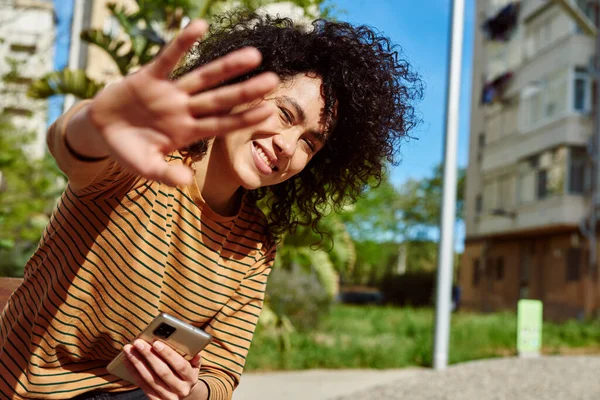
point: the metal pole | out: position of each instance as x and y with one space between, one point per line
74 49
448 211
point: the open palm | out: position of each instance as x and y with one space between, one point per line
147 115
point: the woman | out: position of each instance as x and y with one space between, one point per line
160 213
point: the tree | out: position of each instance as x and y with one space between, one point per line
376 215
327 257
421 200
305 278
406 213
28 192
387 219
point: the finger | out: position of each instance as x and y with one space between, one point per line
196 362
219 125
220 70
227 97
141 374
158 169
172 53
182 367
139 381
161 368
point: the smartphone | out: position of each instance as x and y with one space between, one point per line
182 337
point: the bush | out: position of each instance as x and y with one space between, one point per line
299 296
411 289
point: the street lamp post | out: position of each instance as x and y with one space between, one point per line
448 211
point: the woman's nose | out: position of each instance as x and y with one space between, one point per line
285 145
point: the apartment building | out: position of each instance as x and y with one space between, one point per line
529 182
26 52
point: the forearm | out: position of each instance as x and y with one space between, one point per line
83 137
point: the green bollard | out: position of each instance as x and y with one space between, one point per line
529 328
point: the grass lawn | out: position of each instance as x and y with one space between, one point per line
385 337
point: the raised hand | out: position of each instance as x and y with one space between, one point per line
146 115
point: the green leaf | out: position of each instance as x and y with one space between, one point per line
67 81
323 267
112 47
6 243
30 188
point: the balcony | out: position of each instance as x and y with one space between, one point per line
566 210
573 130
572 50
529 8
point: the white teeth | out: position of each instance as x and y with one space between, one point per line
262 155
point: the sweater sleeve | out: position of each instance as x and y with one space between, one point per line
232 330
83 177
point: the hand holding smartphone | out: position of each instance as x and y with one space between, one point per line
184 338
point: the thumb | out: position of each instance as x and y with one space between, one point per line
177 175
152 165
196 361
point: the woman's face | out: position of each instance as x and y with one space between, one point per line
282 145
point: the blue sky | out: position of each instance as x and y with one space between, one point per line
421 28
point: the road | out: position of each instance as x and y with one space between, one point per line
549 377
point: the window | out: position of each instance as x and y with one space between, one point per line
478 204
587 8
527 255
489 198
526 189
18 111
581 89
476 272
539 36
556 95
546 99
543 175
506 192
489 267
533 161
573 267
500 268
532 110
542 184
23 48
577 161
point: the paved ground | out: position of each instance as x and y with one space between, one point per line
316 384
568 378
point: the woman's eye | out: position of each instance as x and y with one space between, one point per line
310 144
287 116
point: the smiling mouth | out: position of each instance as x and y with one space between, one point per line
264 157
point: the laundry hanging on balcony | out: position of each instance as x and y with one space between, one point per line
493 91
501 26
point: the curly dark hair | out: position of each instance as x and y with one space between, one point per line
368 92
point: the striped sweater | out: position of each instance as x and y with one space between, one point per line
117 251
